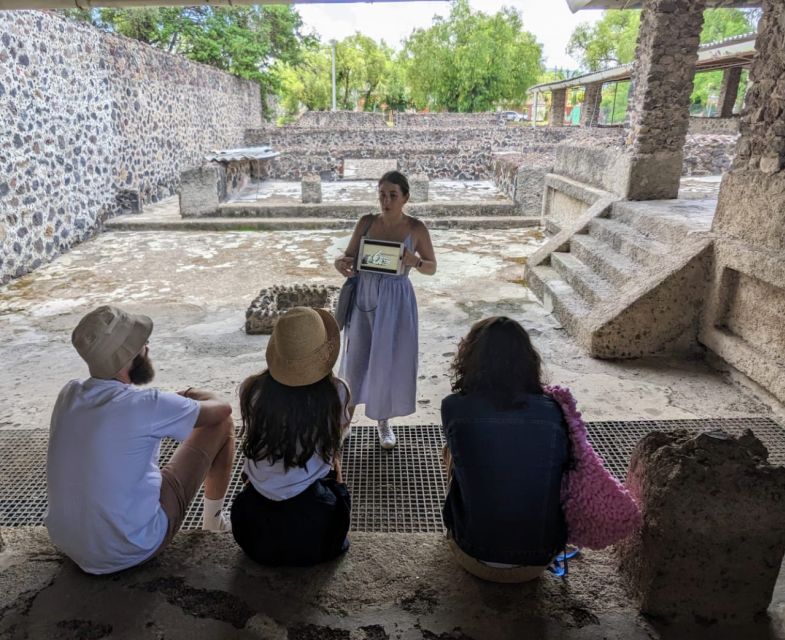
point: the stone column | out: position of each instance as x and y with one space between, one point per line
418 187
662 85
729 91
590 113
558 104
748 290
712 538
311 188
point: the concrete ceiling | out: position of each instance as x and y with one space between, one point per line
577 5
88 4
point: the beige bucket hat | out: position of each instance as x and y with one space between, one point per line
304 346
108 338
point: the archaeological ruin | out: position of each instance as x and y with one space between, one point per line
646 258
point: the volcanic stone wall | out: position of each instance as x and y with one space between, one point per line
743 318
457 153
92 125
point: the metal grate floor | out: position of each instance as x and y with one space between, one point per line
398 491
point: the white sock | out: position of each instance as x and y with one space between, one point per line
211 514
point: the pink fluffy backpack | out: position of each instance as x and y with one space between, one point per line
597 507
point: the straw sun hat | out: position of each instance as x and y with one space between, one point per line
304 347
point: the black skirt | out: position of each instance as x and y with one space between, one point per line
304 530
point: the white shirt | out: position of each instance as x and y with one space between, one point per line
274 482
103 480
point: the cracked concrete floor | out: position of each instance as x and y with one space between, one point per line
196 286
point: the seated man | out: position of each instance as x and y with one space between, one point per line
110 506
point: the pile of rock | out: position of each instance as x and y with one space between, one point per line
273 302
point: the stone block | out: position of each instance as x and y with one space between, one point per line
713 533
273 302
201 190
418 187
311 187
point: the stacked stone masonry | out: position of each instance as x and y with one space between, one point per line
93 124
743 319
664 73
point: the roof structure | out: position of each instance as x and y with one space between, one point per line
89 4
724 54
578 5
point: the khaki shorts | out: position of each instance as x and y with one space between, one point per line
494 574
183 476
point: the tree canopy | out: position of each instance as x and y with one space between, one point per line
244 41
612 40
471 61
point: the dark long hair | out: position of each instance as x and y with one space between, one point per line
395 177
497 360
290 423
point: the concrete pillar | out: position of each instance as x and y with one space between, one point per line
662 85
712 539
747 295
590 112
311 189
558 104
418 187
202 189
729 91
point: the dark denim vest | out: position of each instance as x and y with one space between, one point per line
503 504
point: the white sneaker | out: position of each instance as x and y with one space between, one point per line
218 523
386 434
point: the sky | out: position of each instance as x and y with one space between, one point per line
549 20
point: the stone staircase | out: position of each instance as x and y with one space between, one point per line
630 281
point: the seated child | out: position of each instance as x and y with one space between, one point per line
294 509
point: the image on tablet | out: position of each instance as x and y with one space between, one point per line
381 256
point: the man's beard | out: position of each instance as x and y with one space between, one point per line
142 370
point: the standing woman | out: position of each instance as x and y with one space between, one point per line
294 509
381 337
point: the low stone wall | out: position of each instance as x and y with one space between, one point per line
439 120
93 124
522 178
299 139
341 119
723 126
709 155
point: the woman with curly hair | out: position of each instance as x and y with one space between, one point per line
507 449
294 509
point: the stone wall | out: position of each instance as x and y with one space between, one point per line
743 318
724 126
439 120
458 153
709 155
341 119
93 124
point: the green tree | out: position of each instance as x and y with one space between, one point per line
307 84
245 41
612 40
471 61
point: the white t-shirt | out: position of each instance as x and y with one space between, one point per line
103 480
276 483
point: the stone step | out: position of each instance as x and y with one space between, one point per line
588 284
627 241
668 224
603 259
559 298
137 223
353 210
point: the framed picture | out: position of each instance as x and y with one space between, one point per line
381 256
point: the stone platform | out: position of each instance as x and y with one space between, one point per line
276 205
